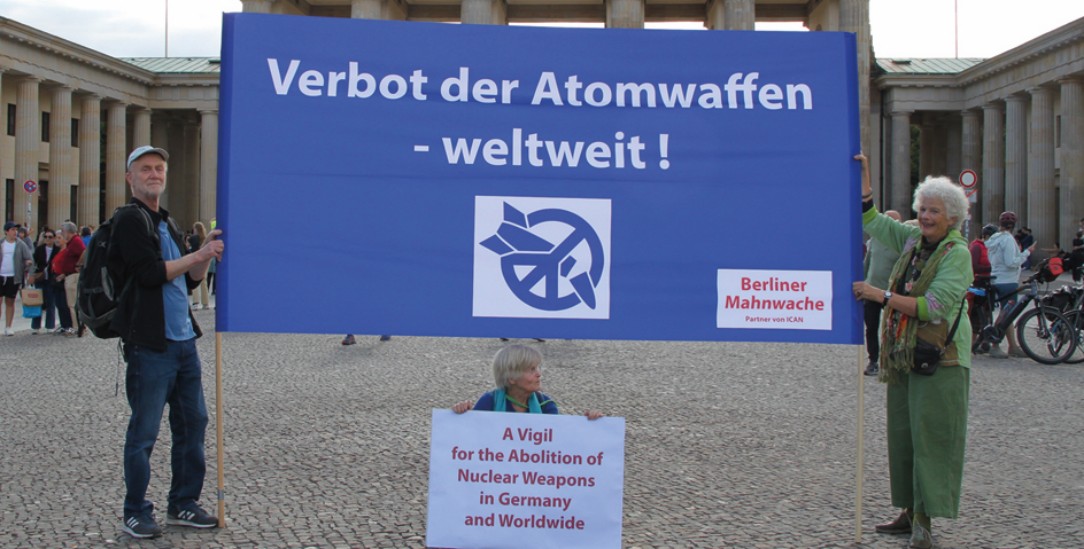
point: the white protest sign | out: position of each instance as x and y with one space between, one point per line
515 480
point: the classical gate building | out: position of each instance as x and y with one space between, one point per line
72 113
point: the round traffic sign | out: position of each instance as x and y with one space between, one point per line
968 179
30 186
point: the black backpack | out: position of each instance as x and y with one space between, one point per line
97 298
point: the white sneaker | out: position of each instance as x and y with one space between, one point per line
35 331
8 332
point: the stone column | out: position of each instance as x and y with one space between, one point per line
208 173
970 140
191 182
992 177
952 137
625 14
928 149
366 9
3 187
256 6
971 159
90 160
854 17
1042 195
116 155
901 165
62 173
141 130
1071 182
27 137
483 12
731 15
160 138
1016 151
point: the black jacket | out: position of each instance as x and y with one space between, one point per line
134 253
41 265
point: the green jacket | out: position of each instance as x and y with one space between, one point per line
945 297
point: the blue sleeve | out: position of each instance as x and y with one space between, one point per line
485 402
547 404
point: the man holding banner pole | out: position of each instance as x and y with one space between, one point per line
155 322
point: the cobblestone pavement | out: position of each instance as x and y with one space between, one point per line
728 444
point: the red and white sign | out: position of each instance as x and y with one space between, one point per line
30 186
792 300
969 179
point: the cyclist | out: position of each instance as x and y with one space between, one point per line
1006 257
980 264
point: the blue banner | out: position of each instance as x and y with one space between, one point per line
460 180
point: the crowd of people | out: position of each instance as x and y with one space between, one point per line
52 262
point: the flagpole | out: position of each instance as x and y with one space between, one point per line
955 25
167 28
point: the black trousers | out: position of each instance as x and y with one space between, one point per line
873 334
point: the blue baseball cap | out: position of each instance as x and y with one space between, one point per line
146 149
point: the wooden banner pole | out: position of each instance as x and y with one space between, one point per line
858 468
218 430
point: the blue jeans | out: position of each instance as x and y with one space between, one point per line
153 380
48 303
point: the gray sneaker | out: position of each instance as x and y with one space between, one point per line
193 516
141 527
996 352
871 368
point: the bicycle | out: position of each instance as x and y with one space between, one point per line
1043 332
980 306
1070 301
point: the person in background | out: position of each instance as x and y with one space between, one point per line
980 256
195 241
517 373
926 414
15 258
1024 240
877 266
85 233
65 267
24 234
980 265
1006 260
45 280
159 332
349 339
211 276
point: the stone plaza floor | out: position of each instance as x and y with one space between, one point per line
738 445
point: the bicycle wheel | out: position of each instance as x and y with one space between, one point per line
1076 319
1045 335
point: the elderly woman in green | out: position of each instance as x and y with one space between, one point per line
927 414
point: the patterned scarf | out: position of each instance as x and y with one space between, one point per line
899 332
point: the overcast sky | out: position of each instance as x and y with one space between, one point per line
901 28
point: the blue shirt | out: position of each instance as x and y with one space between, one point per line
174 292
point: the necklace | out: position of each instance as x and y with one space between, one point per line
516 402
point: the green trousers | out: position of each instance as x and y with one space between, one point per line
927 433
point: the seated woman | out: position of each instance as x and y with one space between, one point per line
517 371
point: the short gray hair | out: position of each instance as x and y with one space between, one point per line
69 227
512 362
942 188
